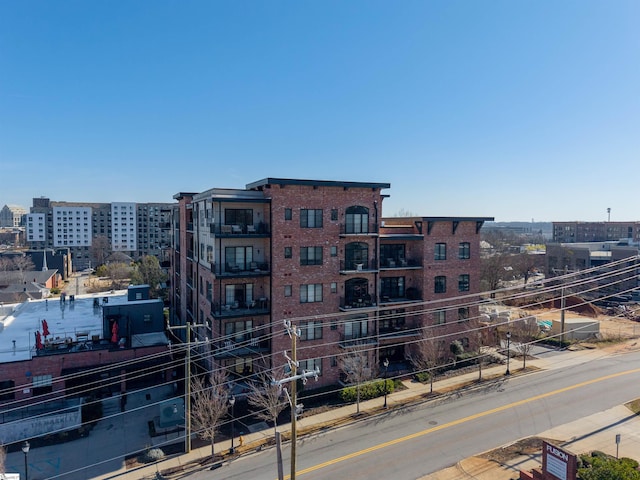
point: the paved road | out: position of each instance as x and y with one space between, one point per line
416 441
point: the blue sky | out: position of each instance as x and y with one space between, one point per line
518 110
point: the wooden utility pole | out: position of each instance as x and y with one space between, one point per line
293 332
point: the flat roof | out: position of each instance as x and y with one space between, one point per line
64 320
315 183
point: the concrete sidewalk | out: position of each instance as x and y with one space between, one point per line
592 433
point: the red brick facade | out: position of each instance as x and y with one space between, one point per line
315 250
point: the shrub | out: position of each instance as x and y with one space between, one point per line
151 455
367 390
423 377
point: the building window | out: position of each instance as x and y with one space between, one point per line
311 365
311 331
310 255
357 220
463 313
334 251
355 329
7 391
334 287
439 317
392 321
356 256
392 287
287 290
288 252
464 251
288 214
334 214
441 251
238 216
463 283
41 384
310 218
240 331
392 254
440 284
209 291
238 258
311 293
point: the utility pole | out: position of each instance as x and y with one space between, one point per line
187 384
562 308
296 409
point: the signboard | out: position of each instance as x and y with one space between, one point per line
559 463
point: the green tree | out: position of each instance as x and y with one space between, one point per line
147 271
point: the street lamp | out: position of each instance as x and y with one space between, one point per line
25 450
232 402
386 367
508 352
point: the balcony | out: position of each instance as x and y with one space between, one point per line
260 229
390 330
354 340
244 346
411 295
359 229
260 306
358 266
361 302
252 269
400 263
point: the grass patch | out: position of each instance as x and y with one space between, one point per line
634 406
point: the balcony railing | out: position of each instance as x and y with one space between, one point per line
400 263
411 294
365 301
359 229
401 329
359 266
246 345
352 340
259 306
234 270
258 229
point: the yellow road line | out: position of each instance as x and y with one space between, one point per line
459 421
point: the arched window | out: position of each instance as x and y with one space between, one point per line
357 293
357 220
356 253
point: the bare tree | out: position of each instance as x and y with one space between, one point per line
209 405
524 331
118 272
526 264
100 249
6 264
492 272
266 397
356 368
427 353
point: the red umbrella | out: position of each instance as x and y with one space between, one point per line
114 332
38 340
45 328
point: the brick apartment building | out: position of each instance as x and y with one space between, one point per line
318 253
576 232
